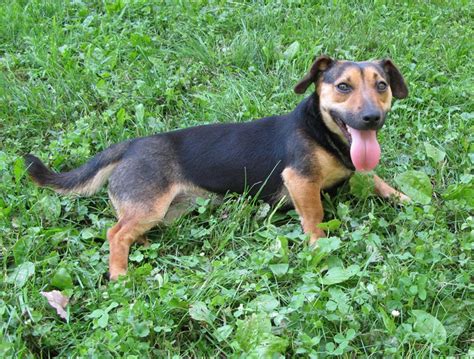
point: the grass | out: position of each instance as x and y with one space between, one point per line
235 279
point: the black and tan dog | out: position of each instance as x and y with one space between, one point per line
328 136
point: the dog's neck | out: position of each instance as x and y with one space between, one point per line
318 130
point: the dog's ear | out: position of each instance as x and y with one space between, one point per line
321 64
395 78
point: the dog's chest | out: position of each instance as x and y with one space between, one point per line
330 170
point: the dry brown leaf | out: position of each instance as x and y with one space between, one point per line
58 301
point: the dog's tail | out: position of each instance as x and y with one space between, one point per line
84 180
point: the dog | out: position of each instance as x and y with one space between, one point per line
318 145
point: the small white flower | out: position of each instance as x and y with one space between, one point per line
395 313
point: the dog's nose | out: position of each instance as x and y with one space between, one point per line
371 118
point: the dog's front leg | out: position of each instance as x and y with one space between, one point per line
385 191
305 194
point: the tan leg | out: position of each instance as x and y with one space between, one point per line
306 197
121 237
135 219
384 190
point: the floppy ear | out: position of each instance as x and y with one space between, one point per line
321 64
395 78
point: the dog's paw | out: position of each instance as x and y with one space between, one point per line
313 239
402 198
115 274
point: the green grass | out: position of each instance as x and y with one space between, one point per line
235 279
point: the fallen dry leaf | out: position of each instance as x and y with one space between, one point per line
58 301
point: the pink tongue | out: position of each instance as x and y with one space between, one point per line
365 150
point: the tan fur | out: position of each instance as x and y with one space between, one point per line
91 186
135 219
306 197
382 99
333 127
385 191
364 88
330 170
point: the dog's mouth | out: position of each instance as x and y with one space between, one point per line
365 150
344 129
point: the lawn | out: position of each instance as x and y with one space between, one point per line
235 279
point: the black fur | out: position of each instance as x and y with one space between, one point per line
41 174
396 80
251 156
333 73
219 158
354 119
319 66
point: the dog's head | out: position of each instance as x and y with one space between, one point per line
354 98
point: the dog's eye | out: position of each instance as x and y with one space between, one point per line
381 86
343 87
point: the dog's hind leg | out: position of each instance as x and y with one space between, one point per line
135 219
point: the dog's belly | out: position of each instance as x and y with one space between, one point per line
264 182
186 201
